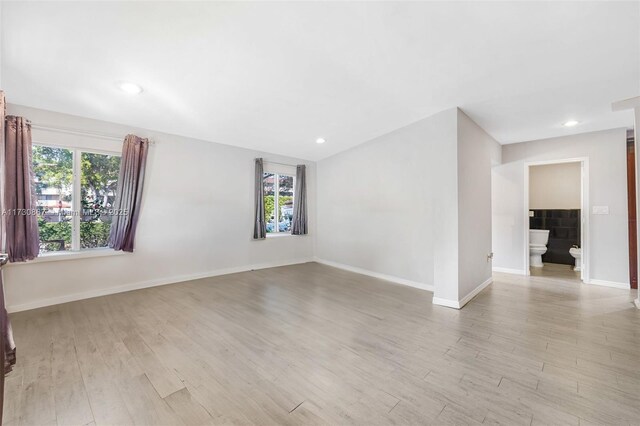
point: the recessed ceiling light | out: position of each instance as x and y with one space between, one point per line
570 123
320 140
130 88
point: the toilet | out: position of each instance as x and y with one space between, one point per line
576 252
538 239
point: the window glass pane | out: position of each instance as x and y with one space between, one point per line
99 181
53 169
269 188
285 202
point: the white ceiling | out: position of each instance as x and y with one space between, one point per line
276 76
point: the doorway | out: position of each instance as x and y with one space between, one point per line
559 213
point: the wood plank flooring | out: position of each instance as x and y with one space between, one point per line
310 344
556 270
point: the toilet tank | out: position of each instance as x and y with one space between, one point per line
539 237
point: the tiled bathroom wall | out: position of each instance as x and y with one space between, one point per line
564 232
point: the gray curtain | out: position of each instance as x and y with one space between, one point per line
129 194
22 239
259 224
5 326
299 222
8 352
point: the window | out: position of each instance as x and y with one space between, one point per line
75 191
278 210
53 169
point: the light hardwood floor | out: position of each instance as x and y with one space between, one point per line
556 270
310 344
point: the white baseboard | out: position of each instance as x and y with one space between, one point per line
458 304
609 284
473 293
449 303
391 278
509 271
146 284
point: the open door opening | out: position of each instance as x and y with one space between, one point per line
561 215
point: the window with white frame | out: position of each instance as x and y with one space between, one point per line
278 201
75 190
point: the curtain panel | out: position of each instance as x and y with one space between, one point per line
126 209
8 353
3 218
4 317
259 224
299 222
22 240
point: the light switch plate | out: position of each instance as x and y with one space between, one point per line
530 213
600 209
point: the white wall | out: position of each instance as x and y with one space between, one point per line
477 153
196 219
555 186
377 202
442 175
414 205
606 151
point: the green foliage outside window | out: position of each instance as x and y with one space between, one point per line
94 234
53 169
99 178
54 232
269 204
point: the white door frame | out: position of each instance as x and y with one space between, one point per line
584 211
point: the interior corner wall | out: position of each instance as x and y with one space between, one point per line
386 207
196 218
477 153
413 206
608 234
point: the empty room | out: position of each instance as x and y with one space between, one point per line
319 213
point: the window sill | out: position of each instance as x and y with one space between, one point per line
71 255
284 235
281 235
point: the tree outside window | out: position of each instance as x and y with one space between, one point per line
63 224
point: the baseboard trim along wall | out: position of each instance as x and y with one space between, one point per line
605 283
458 304
146 284
446 303
509 271
390 278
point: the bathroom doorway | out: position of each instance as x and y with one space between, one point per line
556 214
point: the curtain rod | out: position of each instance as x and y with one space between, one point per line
280 164
82 133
